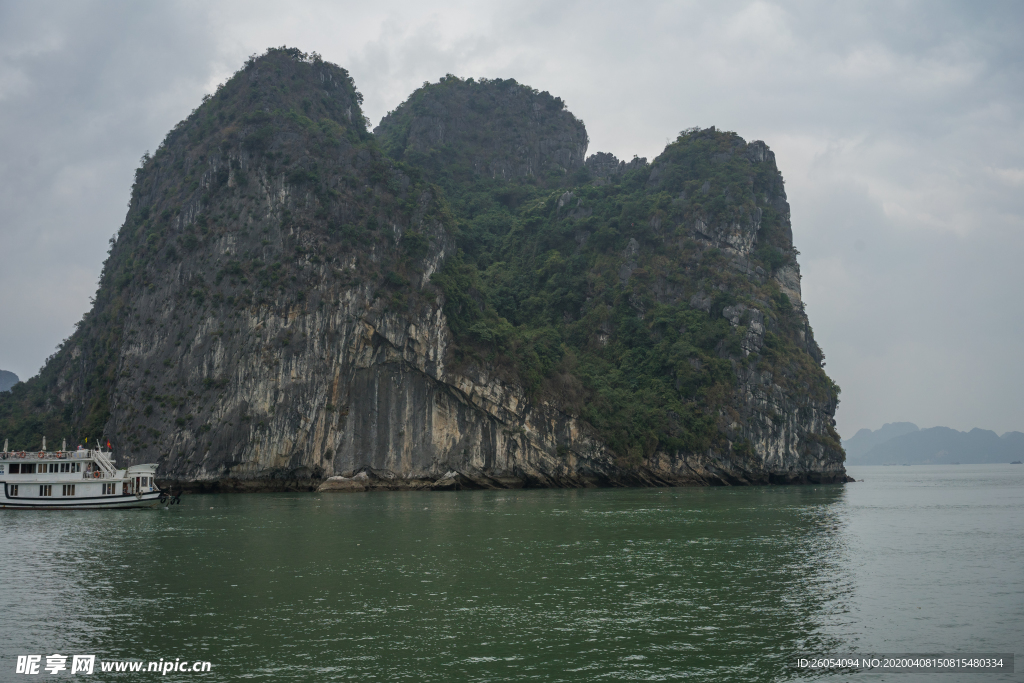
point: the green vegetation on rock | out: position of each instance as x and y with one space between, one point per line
583 285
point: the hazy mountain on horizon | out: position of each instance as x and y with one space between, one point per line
865 439
899 443
7 380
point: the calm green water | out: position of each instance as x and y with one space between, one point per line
696 584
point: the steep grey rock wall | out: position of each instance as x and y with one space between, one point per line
360 388
604 165
267 319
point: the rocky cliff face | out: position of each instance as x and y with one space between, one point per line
291 299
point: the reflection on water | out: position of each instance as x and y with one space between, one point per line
704 584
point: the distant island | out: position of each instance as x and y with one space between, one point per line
7 380
903 443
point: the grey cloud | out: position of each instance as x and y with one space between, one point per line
86 88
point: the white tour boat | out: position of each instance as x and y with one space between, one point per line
67 480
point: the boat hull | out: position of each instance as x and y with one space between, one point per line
143 500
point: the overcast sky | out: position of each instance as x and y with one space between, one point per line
898 127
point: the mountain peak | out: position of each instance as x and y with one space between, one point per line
7 380
496 128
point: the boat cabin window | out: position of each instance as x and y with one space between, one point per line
68 490
109 490
46 490
70 467
23 468
14 490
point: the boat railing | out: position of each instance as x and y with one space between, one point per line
105 463
48 455
98 474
